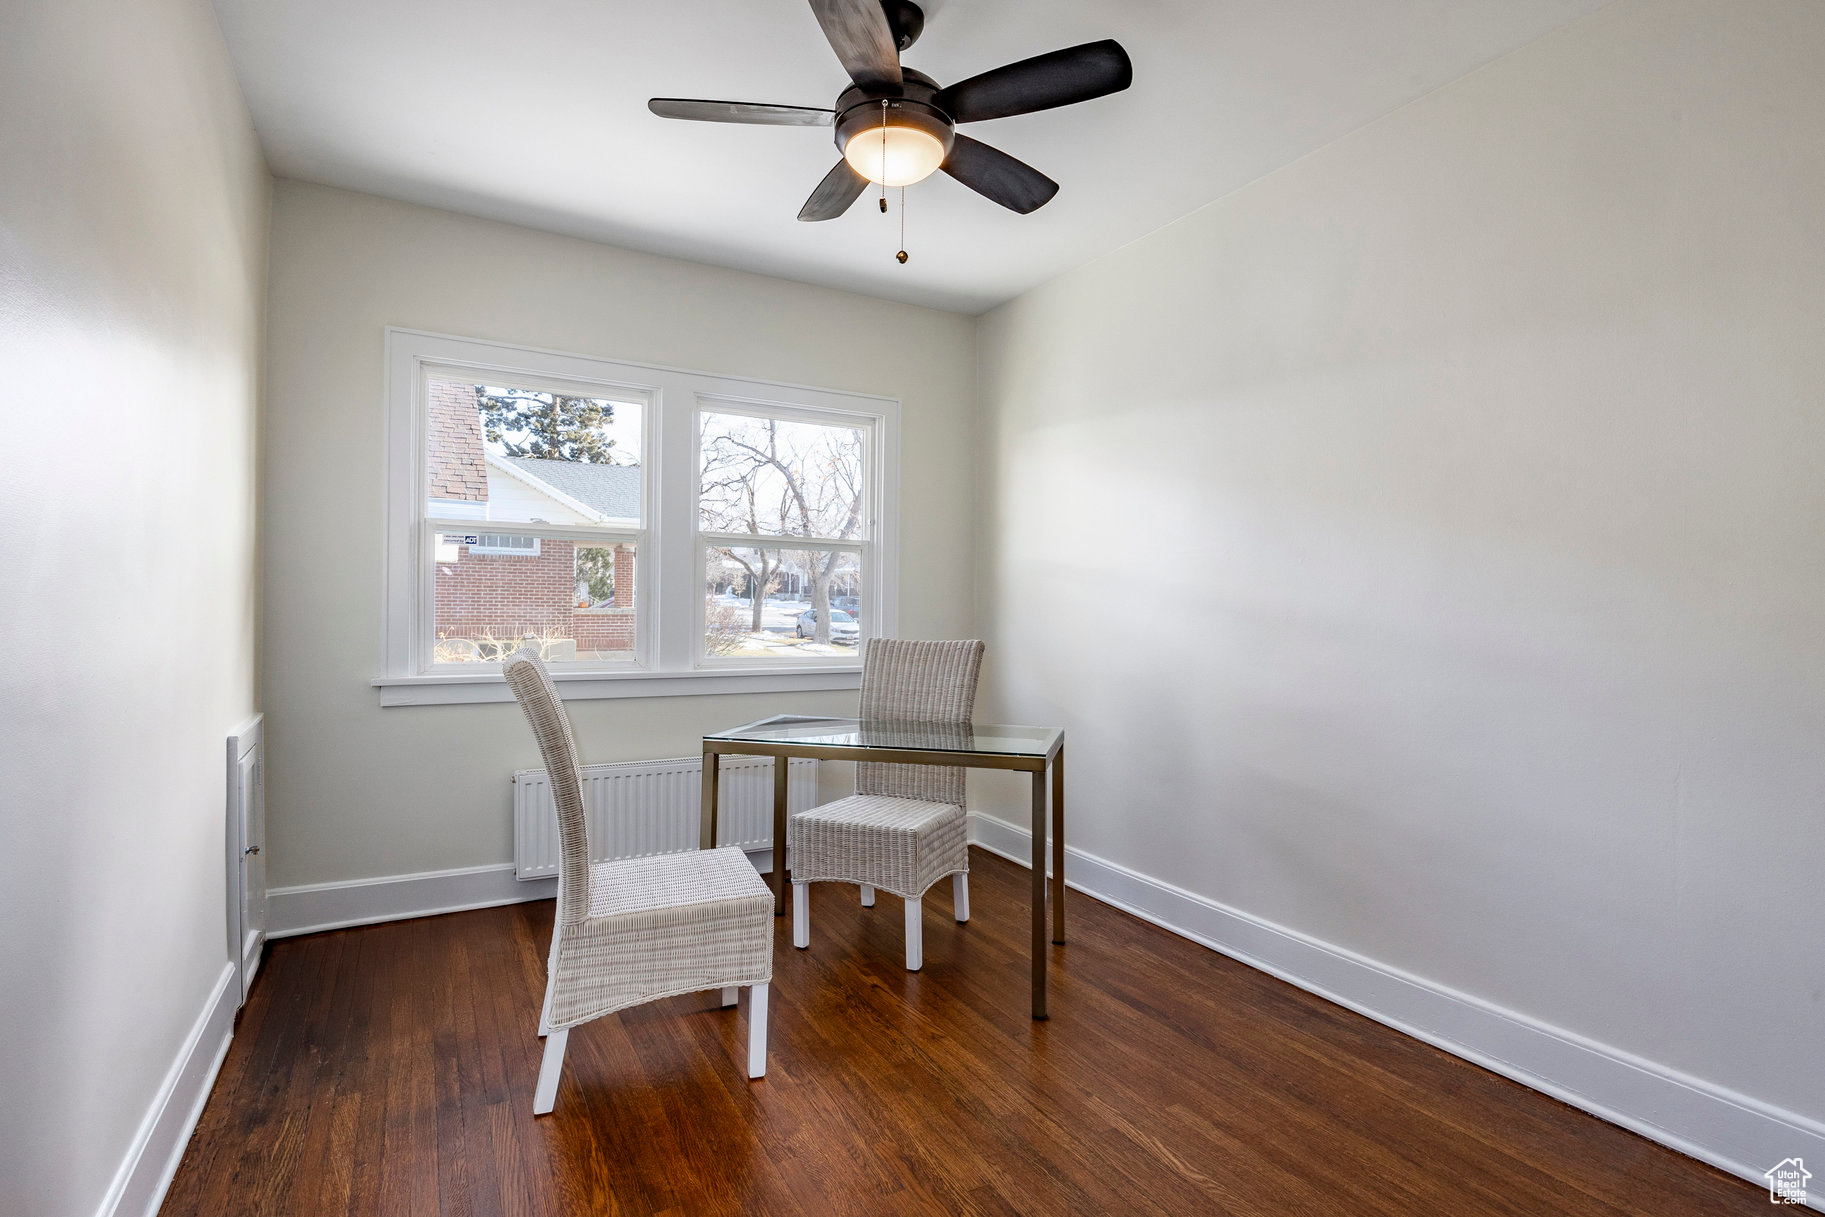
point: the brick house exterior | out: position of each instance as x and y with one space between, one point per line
507 596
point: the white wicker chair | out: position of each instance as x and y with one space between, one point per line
634 931
905 827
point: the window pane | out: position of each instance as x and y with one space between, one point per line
496 452
575 602
782 478
783 604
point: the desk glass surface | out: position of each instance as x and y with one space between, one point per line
980 739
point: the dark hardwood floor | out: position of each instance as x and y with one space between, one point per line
390 1070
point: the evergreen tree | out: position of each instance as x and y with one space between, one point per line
548 426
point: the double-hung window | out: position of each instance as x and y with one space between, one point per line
561 464
648 531
785 532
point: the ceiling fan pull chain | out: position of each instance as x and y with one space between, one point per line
902 254
883 156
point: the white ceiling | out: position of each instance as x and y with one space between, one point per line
533 111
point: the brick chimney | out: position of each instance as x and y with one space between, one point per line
455 444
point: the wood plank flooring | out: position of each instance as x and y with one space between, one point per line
389 1070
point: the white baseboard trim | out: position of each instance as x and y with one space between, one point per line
146 1172
314 907
1731 1131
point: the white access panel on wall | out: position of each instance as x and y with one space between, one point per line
247 849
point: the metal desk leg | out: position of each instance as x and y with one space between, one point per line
781 770
706 830
1039 894
1058 846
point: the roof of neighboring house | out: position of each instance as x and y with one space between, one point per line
613 490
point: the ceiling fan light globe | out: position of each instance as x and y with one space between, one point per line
894 156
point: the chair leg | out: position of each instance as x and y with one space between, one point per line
915 934
960 894
867 896
801 915
546 1093
730 996
757 1031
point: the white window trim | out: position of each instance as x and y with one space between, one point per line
668 559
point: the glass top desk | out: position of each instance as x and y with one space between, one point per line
1035 750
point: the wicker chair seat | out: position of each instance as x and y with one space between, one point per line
901 846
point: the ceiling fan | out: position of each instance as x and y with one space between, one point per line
896 126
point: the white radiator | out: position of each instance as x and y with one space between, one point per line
638 808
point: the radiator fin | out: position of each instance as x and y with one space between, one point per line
639 808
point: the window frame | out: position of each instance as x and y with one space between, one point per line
669 566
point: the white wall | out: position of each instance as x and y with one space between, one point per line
355 791
1425 545
133 207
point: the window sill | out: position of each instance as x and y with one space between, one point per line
462 689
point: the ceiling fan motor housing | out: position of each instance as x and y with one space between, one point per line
905 19
858 110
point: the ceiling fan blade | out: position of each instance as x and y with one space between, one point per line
755 112
862 39
840 187
1059 78
998 177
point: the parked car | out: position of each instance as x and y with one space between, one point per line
849 604
843 627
